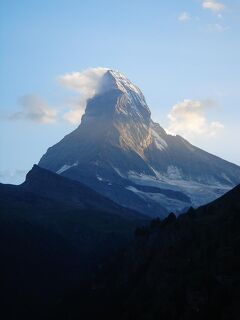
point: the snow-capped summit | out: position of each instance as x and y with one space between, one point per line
120 152
114 80
123 83
126 86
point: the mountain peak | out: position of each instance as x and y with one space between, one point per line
118 149
115 80
122 82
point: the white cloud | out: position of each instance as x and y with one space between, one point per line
213 5
187 118
77 106
35 109
74 116
87 83
184 16
216 27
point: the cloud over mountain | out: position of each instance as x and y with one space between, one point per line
87 84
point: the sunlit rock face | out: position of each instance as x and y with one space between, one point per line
120 152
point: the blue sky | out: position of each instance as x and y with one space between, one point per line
182 54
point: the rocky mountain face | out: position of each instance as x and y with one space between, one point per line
120 152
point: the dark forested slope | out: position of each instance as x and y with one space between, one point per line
179 268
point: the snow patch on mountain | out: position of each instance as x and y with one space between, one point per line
169 203
174 172
65 167
123 83
126 86
118 172
197 191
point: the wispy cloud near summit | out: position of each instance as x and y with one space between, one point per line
87 83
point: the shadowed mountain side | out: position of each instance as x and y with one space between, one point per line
54 233
72 193
179 268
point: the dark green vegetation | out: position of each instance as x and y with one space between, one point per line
179 268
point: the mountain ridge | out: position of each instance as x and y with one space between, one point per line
117 144
73 193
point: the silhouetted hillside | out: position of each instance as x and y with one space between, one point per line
179 268
53 233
